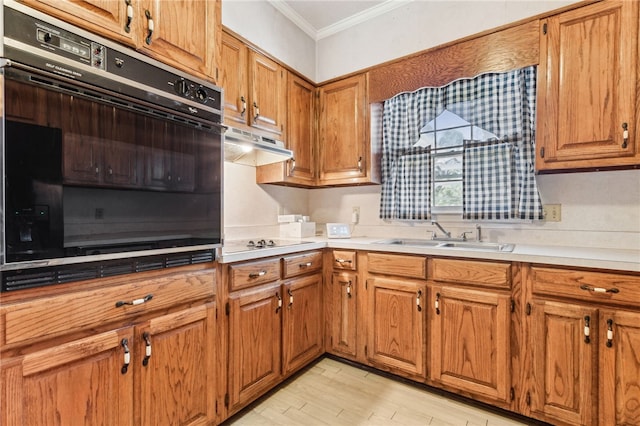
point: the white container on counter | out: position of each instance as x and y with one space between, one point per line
297 230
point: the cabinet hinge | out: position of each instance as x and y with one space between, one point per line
527 309
528 399
542 152
226 400
217 74
513 305
227 309
365 351
216 407
544 28
512 394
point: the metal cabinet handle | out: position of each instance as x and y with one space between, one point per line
127 356
279 302
147 348
150 26
127 25
135 301
349 289
599 289
290 298
360 164
587 329
305 265
625 135
293 165
341 261
262 273
243 102
418 297
436 304
609 333
256 110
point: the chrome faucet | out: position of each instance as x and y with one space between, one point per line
448 234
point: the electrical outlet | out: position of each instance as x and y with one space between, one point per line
355 215
551 212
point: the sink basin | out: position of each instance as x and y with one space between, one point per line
467 245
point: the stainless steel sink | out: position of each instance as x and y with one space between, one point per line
466 245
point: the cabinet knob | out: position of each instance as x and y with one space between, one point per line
256 111
625 134
243 103
127 356
147 348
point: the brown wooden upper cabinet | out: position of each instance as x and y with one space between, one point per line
162 29
587 92
345 151
254 88
301 170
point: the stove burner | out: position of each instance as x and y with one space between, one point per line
261 243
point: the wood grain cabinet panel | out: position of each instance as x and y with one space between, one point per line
255 342
398 265
249 274
81 380
343 314
254 87
344 259
343 134
587 88
482 273
470 340
397 324
563 362
302 322
301 264
174 368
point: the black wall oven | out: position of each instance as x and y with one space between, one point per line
111 162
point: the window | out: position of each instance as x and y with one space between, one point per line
466 147
445 135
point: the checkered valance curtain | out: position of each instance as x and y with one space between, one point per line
500 103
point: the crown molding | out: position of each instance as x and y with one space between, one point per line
318 34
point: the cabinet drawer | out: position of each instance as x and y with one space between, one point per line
491 274
247 274
595 287
47 317
301 264
344 260
400 265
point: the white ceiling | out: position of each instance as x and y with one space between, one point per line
321 18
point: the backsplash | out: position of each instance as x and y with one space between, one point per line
599 209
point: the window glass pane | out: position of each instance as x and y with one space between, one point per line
447 167
447 194
452 137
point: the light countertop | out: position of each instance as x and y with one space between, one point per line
600 258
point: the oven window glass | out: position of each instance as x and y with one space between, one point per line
124 179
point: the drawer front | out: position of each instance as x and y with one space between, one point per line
301 264
47 317
595 287
399 265
489 274
248 274
343 259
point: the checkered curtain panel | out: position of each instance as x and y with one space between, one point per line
500 103
411 195
487 181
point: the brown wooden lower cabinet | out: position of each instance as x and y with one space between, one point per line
397 325
95 361
342 295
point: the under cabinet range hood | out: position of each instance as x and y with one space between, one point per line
244 147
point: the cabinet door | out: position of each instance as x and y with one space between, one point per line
301 115
255 332
121 162
470 340
181 33
619 348
564 362
587 91
157 157
342 131
343 312
107 18
267 87
175 361
79 382
233 79
182 176
21 101
397 324
302 322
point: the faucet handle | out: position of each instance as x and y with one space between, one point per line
464 235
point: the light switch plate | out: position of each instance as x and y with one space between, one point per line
338 230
